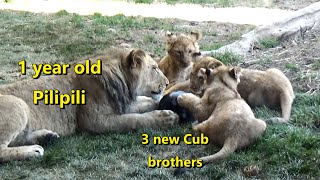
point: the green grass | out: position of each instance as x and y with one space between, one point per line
266 61
222 3
316 64
292 66
269 42
64 37
172 2
211 46
283 152
144 1
149 38
305 112
228 58
62 13
7 1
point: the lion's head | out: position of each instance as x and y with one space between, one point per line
183 49
126 74
150 81
198 77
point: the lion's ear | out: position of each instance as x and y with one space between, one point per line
136 58
171 38
215 64
202 71
195 36
206 72
235 73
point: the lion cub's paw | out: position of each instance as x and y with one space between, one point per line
183 98
196 128
167 117
276 120
195 123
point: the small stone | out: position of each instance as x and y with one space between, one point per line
111 30
251 170
125 45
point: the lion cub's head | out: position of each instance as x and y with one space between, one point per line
183 49
221 76
197 78
149 79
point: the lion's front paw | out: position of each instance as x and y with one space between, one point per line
195 127
32 152
37 150
43 137
167 117
195 123
50 137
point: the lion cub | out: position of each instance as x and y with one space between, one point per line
270 88
224 116
182 51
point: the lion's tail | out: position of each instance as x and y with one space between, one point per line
286 104
286 100
228 148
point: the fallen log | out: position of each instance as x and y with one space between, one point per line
298 23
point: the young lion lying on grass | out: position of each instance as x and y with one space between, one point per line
117 100
223 115
270 88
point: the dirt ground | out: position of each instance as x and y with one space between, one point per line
281 4
298 58
292 4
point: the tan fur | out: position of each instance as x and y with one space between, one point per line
224 116
270 88
182 51
115 102
204 62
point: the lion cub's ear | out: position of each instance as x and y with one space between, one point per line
235 73
136 58
215 64
171 38
195 36
205 72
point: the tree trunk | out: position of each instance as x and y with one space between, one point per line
298 23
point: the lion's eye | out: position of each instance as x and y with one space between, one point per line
155 68
190 51
196 54
179 53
